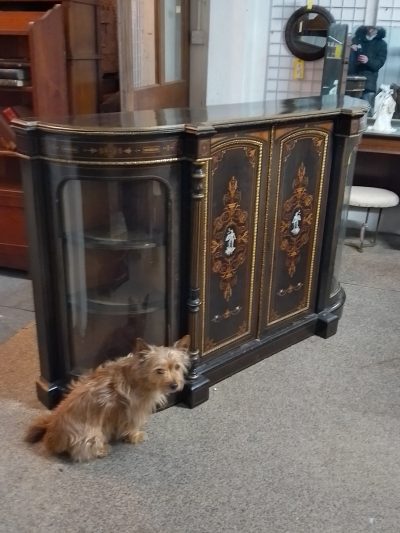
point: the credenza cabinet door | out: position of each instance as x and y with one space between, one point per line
117 232
294 219
230 274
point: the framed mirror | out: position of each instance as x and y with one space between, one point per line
306 32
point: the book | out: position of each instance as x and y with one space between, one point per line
15 73
7 135
16 111
14 83
9 113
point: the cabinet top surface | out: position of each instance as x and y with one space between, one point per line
204 119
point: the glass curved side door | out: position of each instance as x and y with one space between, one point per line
116 242
341 235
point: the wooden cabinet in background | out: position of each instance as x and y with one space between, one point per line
58 43
32 42
82 49
83 57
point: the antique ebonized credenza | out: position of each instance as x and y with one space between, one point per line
223 222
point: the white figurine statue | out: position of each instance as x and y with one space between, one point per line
296 223
384 108
334 88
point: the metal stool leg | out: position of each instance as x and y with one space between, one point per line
363 229
364 241
373 240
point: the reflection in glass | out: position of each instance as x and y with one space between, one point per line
390 72
311 30
172 39
335 284
157 42
144 53
115 252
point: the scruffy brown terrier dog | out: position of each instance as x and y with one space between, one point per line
113 402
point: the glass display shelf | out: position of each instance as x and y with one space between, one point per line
101 238
119 302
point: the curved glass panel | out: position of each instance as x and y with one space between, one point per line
115 240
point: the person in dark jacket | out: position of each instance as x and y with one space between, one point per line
368 55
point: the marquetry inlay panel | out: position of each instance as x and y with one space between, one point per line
231 215
114 149
294 221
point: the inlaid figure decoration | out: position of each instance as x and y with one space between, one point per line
384 108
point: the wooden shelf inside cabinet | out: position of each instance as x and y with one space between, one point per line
23 89
101 240
18 22
116 303
30 40
8 153
130 241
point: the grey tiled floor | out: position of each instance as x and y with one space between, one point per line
16 303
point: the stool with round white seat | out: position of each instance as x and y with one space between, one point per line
371 198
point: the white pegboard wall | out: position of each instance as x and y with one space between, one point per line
279 75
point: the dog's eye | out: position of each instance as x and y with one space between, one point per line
177 367
160 371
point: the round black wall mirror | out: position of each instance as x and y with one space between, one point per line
306 32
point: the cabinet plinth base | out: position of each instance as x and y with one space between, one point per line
50 394
196 391
328 319
327 325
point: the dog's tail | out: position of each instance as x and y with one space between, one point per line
38 429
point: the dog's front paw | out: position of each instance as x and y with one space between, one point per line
135 437
102 451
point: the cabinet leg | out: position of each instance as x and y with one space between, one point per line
49 394
327 325
196 391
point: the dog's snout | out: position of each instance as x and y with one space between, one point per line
173 385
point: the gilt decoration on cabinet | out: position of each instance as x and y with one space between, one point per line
297 219
123 151
230 239
301 173
232 216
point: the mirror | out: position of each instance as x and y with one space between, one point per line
388 73
306 32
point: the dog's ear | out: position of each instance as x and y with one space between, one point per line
183 343
141 348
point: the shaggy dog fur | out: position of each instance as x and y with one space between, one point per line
113 402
